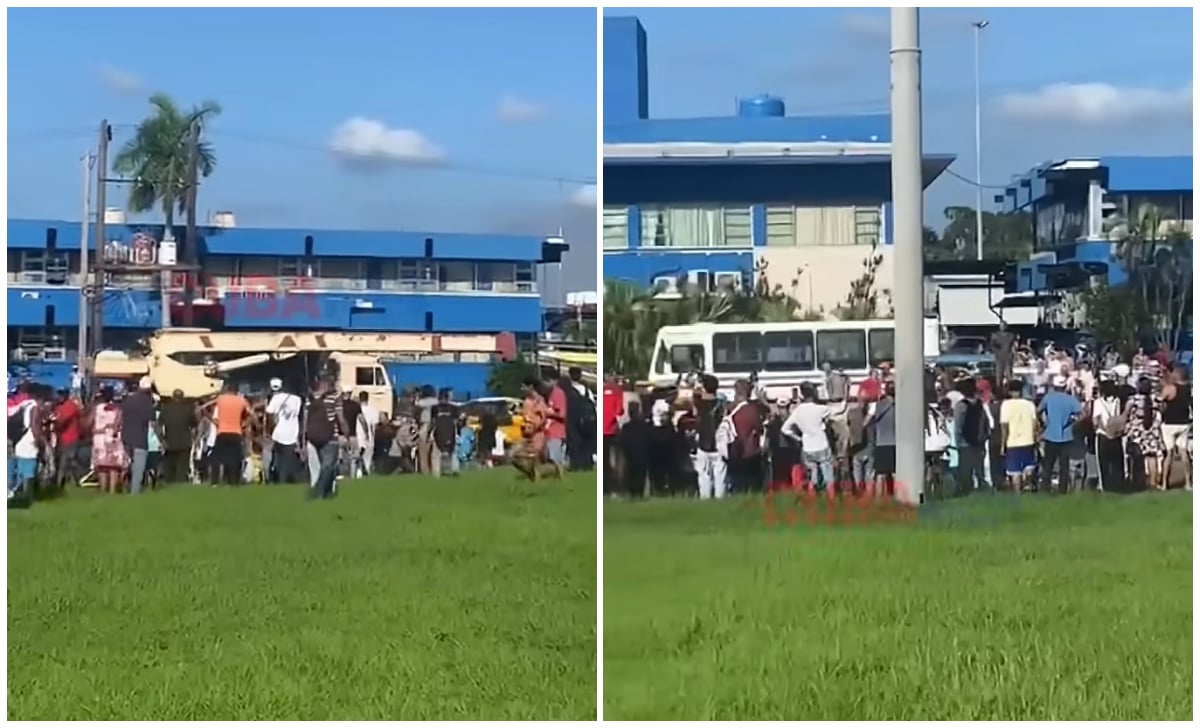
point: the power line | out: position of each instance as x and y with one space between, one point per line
259 138
973 183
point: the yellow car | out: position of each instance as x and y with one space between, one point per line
506 410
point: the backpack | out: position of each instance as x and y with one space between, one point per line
975 425
318 428
729 445
18 421
445 428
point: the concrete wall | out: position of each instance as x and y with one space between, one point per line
827 273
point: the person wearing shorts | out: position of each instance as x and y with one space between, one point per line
1018 424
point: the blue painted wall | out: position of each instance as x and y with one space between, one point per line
626 85
643 266
27 307
866 128
464 379
333 311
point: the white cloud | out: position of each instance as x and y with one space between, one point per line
368 142
124 83
514 110
1098 104
585 196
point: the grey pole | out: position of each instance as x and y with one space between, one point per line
979 25
85 305
907 194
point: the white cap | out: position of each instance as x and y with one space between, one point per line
1060 381
276 384
144 383
1121 371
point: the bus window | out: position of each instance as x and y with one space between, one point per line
687 358
842 348
882 346
737 352
788 351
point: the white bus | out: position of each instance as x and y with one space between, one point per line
783 354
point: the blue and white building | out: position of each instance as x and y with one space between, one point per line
338 280
713 200
1071 203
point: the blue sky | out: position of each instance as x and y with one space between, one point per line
433 92
1055 82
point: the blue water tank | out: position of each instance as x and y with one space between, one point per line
760 106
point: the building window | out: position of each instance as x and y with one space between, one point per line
526 277
616 228
696 227
790 226
456 275
349 268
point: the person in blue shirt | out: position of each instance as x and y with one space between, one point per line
1058 411
466 445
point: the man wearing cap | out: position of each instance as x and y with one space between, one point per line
283 413
137 412
1058 411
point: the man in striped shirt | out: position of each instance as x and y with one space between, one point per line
325 430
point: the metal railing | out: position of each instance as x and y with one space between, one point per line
220 285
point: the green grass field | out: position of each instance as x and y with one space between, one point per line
404 598
1072 608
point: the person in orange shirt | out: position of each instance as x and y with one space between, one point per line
228 451
532 453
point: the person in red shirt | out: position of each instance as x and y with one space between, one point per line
871 388
556 426
67 418
612 410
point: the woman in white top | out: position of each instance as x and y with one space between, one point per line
1110 431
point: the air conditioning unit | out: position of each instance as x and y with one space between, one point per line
700 279
223 219
666 287
728 280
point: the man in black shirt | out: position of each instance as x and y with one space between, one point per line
179 424
137 412
710 466
351 457
444 435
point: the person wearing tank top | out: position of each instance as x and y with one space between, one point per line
1176 421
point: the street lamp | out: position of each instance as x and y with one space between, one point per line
978 25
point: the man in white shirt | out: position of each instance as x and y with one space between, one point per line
807 423
284 412
365 431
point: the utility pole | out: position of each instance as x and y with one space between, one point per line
191 244
99 267
979 25
88 161
907 194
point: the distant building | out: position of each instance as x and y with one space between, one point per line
711 200
279 278
1072 202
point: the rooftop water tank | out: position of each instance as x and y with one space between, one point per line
222 219
114 216
760 106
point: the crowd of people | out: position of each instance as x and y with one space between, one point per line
1068 423
127 442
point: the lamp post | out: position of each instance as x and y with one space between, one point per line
978 25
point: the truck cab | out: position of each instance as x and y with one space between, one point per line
364 373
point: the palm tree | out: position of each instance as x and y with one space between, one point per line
1156 254
156 160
